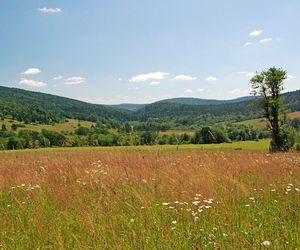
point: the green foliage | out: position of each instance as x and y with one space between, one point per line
55 138
269 85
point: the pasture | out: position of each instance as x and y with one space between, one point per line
190 197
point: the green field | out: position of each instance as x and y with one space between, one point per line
262 123
68 126
262 145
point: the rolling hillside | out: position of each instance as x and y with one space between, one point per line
31 106
43 108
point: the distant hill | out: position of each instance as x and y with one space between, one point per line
35 107
31 106
128 106
198 101
185 101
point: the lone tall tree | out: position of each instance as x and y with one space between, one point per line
269 84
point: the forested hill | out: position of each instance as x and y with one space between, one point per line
198 101
37 107
184 100
31 106
209 114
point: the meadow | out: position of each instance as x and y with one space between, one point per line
186 197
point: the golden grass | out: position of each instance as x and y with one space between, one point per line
95 199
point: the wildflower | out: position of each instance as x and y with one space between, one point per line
176 202
225 235
252 198
198 195
247 205
131 220
207 207
8 205
171 207
174 222
142 207
196 198
166 203
297 189
266 243
273 190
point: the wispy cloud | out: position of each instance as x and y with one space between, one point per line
154 83
256 33
188 91
247 44
240 91
251 74
32 83
290 77
246 73
57 78
184 78
50 10
154 76
75 80
211 79
265 40
31 71
201 90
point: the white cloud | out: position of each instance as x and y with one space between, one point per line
188 91
265 40
246 73
251 74
50 10
184 78
256 33
290 77
155 83
75 80
59 77
31 71
32 83
200 90
240 91
211 79
247 44
154 76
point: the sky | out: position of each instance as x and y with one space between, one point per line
138 51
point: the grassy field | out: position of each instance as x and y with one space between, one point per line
262 123
149 198
68 126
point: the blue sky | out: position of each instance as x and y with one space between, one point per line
139 51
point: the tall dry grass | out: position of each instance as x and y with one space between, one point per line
153 199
